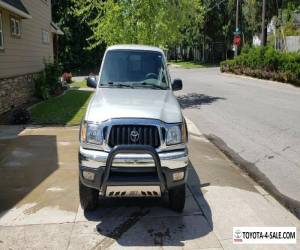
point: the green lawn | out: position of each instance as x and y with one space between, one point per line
67 109
188 64
79 84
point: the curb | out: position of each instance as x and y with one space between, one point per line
261 182
257 79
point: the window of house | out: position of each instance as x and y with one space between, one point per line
45 36
1 32
15 26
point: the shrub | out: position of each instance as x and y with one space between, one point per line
41 88
47 82
52 74
20 116
266 63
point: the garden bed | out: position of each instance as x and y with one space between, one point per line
266 63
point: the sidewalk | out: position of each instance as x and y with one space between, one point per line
233 198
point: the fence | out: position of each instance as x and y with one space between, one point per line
292 43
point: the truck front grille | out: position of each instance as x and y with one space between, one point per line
134 134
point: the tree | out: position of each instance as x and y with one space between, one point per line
251 15
153 22
218 27
72 53
193 30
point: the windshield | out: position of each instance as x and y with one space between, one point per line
134 69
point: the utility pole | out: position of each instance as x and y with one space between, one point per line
236 26
263 25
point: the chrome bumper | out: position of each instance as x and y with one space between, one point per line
172 159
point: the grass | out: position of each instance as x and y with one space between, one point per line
79 84
188 64
67 109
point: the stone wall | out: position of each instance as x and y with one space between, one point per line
15 91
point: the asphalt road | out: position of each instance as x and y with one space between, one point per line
256 122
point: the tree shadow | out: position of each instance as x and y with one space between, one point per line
25 161
196 100
149 222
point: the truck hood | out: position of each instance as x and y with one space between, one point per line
109 103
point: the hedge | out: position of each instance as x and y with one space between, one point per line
266 63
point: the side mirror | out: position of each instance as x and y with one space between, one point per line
177 84
91 81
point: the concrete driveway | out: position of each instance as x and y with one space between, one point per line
39 206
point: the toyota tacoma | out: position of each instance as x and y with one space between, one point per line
133 137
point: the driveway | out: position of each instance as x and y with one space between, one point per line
256 122
40 208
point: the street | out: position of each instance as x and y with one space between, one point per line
255 122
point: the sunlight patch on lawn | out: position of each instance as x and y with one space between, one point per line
79 84
67 109
187 64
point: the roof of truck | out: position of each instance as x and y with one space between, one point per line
134 47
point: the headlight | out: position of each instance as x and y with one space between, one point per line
174 135
91 133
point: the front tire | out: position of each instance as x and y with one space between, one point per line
177 198
88 197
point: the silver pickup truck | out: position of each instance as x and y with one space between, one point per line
133 137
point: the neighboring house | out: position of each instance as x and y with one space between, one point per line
289 43
28 38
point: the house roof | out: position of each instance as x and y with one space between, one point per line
55 29
15 6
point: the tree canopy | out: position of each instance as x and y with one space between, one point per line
154 22
90 25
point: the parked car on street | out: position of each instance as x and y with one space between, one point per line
133 137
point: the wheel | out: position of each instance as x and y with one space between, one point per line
177 198
88 197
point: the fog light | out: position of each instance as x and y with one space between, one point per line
178 176
88 175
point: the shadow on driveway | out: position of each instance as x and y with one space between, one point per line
149 222
25 161
195 100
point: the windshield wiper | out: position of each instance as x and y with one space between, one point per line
153 86
116 85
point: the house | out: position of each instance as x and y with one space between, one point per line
28 37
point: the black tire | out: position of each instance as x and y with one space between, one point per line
177 198
88 197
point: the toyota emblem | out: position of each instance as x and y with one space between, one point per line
134 136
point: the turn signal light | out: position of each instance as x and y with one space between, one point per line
88 175
178 176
